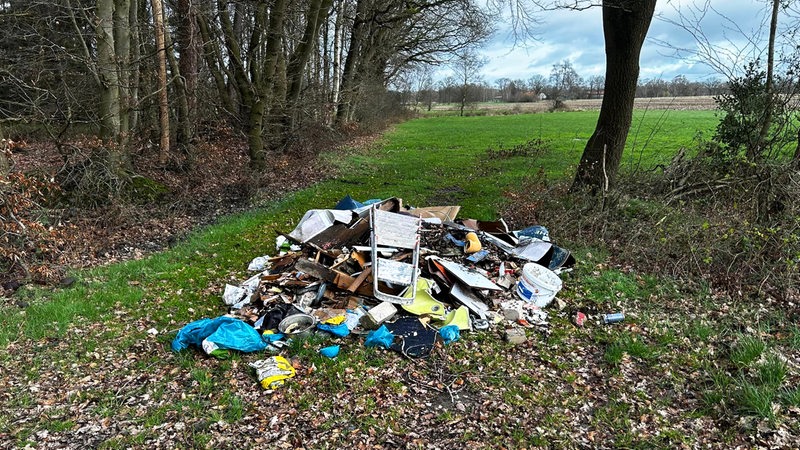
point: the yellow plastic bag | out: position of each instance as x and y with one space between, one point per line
273 371
336 320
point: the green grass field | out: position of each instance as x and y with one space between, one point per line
83 357
421 157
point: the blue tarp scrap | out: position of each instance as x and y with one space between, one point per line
381 337
449 333
340 330
226 332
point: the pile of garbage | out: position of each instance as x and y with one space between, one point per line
405 278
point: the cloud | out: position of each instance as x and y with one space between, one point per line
578 37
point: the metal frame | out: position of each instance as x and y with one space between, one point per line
399 231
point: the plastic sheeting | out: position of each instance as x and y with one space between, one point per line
225 333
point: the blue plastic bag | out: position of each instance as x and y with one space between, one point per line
272 337
225 332
330 352
380 337
340 330
449 333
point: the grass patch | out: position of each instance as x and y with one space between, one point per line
790 396
772 372
747 350
630 345
700 330
757 383
755 399
440 160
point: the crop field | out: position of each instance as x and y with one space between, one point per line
696 103
90 365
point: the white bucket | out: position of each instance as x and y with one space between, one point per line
538 284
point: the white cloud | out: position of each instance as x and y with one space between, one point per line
578 37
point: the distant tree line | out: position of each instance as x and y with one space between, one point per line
562 84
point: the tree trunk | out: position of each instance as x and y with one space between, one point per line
317 11
337 52
5 152
625 25
464 93
754 154
107 71
326 66
188 44
255 141
348 81
133 92
163 101
796 159
122 49
184 131
215 64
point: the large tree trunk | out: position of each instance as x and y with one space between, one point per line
266 82
348 81
163 100
134 80
188 44
107 71
625 25
184 131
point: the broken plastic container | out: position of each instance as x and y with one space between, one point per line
538 284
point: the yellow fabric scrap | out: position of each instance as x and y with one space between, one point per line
336 320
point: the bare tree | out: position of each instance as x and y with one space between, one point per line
739 58
467 66
596 83
537 83
163 101
565 81
386 37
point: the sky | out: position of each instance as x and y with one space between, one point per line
577 36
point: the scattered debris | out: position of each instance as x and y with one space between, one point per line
271 372
410 279
613 318
515 336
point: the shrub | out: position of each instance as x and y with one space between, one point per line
25 241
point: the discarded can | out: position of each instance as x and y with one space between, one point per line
580 318
613 318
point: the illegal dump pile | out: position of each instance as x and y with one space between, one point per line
406 278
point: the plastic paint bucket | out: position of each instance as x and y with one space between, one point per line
538 284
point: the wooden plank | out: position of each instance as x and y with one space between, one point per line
340 279
360 279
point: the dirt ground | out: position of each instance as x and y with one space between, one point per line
219 183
